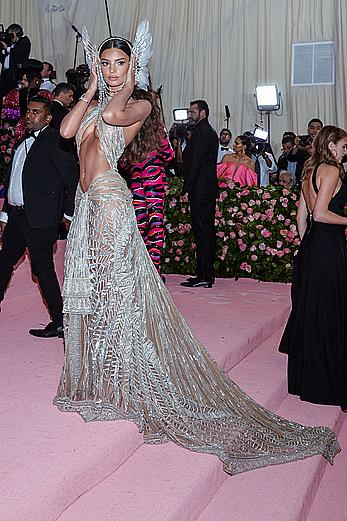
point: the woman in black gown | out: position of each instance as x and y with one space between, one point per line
315 337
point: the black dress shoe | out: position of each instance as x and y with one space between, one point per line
197 283
49 331
190 279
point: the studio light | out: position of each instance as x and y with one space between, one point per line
180 114
267 98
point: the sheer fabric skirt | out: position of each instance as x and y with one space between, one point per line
131 355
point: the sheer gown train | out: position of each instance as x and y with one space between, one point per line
131 355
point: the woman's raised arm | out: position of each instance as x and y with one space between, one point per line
121 113
72 121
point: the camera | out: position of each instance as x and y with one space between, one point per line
180 130
78 77
6 37
258 147
258 140
305 141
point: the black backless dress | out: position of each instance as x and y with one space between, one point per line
315 337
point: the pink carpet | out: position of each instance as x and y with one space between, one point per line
55 466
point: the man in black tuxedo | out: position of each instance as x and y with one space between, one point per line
62 100
41 188
200 183
13 53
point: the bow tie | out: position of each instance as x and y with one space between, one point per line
224 148
30 134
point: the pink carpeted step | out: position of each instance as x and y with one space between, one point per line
330 501
51 458
184 482
262 374
246 311
47 458
167 483
280 493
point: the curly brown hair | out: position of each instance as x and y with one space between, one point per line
322 152
151 133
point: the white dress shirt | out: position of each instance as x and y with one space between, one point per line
265 170
47 84
221 153
6 64
15 187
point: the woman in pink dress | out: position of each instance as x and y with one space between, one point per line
238 167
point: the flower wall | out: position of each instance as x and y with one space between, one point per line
256 233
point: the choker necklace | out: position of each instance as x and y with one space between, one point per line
114 90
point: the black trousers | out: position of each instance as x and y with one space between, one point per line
203 216
18 235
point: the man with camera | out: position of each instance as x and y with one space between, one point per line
303 147
201 186
265 163
15 50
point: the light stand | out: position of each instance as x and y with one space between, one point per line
78 37
268 100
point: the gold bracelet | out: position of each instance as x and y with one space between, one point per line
82 98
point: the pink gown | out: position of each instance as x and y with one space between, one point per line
244 176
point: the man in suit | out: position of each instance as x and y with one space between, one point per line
62 100
200 183
13 53
41 188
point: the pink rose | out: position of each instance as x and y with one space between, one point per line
266 233
232 235
254 258
269 213
244 206
180 243
249 211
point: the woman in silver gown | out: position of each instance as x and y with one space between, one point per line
129 353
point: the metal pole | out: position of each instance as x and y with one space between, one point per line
108 18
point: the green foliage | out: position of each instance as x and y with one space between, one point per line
256 233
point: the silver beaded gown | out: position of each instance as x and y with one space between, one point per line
131 355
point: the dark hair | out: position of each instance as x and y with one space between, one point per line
63 87
32 73
289 133
315 120
225 130
116 43
288 139
50 66
151 134
15 28
45 101
321 150
202 105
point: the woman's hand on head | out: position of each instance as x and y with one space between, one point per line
93 78
130 79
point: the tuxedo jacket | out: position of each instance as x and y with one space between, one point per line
200 162
59 113
19 53
49 181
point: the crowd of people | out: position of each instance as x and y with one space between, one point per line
129 353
